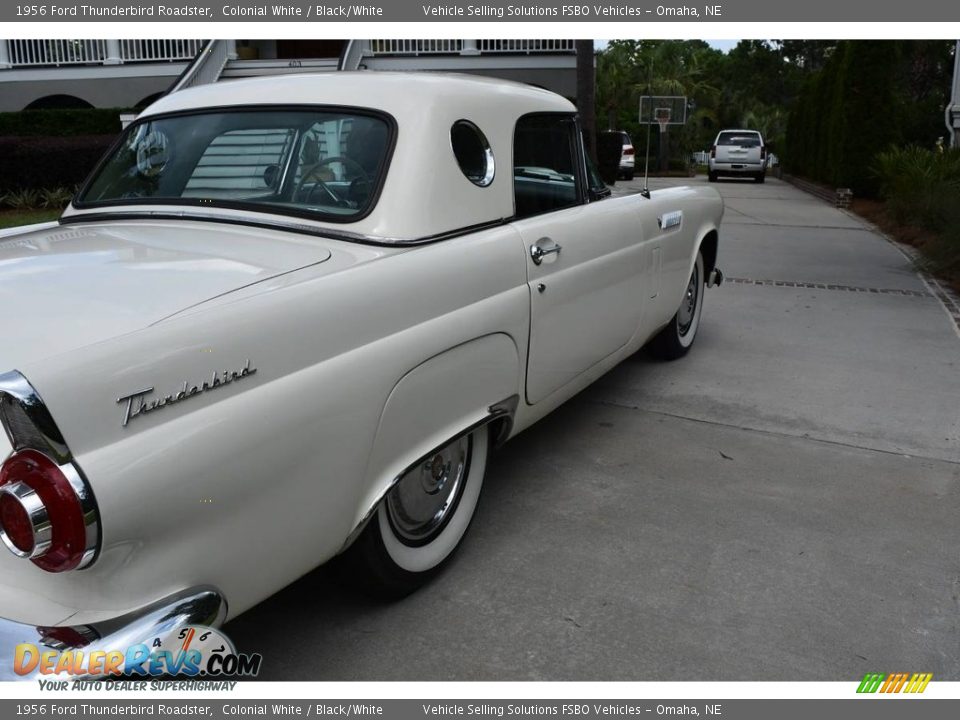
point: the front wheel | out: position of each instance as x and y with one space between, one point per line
676 339
422 519
711 176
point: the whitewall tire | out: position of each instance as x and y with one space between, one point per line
676 339
423 518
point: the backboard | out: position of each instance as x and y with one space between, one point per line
655 109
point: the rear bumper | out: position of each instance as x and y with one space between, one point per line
195 606
732 168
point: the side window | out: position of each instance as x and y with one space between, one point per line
473 153
545 176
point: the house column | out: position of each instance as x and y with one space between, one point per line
4 55
113 53
231 49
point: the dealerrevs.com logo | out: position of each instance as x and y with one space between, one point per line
895 683
190 651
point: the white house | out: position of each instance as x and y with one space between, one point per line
132 73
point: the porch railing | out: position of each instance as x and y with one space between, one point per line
159 50
25 53
59 52
469 47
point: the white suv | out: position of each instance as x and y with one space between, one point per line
738 153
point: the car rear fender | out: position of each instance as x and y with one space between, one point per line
463 388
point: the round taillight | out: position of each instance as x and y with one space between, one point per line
66 637
24 522
41 516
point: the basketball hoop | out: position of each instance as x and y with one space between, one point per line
662 116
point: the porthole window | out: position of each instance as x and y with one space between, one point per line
473 152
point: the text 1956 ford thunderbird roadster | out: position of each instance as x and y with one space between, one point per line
287 318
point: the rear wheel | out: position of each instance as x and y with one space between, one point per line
676 339
421 520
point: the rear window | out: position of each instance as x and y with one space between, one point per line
319 162
745 140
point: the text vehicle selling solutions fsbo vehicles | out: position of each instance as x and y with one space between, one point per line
286 319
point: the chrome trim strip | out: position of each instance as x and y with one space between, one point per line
270 224
505 409
202 605
26 419
91 515
29 424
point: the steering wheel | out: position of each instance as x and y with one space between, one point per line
311 174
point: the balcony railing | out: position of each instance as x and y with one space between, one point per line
469 47
55 53
526 46
25 53
416 47
159 50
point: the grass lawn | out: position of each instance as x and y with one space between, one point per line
13 218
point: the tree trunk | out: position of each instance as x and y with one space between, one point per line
586 95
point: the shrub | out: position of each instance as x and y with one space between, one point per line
922 188
56 198
60 123
36 163
22 199
943 249
918 185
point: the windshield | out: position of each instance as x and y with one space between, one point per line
303 162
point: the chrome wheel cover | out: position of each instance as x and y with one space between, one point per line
688 307
424 499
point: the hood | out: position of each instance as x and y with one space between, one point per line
69 286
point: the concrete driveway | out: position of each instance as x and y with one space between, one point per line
782 504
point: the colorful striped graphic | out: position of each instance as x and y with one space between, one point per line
895 683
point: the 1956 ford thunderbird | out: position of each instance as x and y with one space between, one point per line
286 319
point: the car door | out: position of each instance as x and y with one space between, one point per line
584 259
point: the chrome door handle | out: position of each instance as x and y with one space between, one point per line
543 247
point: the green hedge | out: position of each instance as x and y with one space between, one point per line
60 123
869 96
36 163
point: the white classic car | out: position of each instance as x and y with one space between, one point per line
287 318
